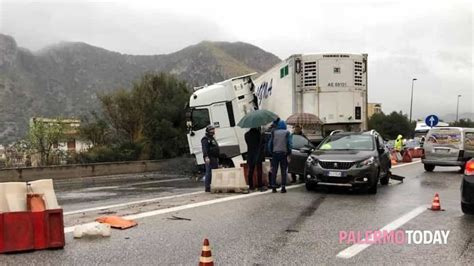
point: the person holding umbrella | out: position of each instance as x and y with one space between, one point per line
255 156
210 151
254 120
280 147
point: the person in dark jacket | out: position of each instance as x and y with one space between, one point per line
297 130
280 147
210 152
255 156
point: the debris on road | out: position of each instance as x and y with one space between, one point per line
396 177
91 230
116 222
178 218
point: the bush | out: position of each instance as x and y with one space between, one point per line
102 154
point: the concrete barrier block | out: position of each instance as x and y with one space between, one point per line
15 196
228 180
45 187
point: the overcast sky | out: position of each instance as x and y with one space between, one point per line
428 40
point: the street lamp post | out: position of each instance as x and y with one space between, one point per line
411 102
457 108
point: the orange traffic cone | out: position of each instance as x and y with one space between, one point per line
206 256
436 205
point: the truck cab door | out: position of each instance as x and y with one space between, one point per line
200 119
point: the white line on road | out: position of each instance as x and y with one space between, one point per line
163 198
357 248
406 164
193 205
188 206
132 203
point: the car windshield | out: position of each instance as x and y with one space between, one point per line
347 142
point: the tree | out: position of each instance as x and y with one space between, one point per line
392 125
462 123
43 135
150 117
95 129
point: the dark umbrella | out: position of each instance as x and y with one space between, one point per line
303 119
257 118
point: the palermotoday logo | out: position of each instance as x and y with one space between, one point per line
398 237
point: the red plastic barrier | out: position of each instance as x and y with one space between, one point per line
22 231
255 182
16 232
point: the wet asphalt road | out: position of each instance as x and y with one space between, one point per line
102 191
299 227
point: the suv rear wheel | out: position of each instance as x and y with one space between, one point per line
467 209
429 167
310 187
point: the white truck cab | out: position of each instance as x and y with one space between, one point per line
222 105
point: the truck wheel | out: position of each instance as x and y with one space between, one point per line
429 167
227 163
467 209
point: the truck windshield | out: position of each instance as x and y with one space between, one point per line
200 118
347 142
444 136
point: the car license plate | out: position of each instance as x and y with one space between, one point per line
335 174
442 151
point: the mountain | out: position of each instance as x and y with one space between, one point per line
63 80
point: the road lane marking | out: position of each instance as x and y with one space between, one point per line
163 198
357 248
406 164
70 229
132 203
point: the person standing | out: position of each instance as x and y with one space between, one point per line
255 156
297 130
210 152
398 144
280 148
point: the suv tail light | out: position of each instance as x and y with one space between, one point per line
469 169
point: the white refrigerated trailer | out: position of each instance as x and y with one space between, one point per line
331 86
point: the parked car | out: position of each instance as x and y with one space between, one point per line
467 188
349 159
448 146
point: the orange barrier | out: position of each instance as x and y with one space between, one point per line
407 157
116 222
